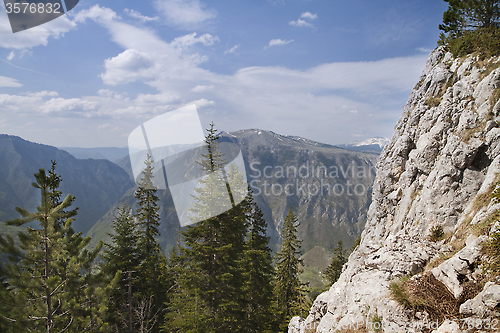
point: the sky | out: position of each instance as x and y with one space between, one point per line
330 71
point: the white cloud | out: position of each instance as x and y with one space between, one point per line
202 88
9 82
112 94
128 66
135 14
104 126
278 42
300 23
148 58
106 104
232 50
58 105
309 15
152 99
202 103
184 42
19 54
44 103
185 14
370 77
313 101
35 36
424 50
24 102
96 13
255 96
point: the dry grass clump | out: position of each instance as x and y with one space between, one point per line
491 251
470 290
439 260
426 293
483 227
494 97
488 67
470 133
433 101
479 202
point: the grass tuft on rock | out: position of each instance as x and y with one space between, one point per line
425 293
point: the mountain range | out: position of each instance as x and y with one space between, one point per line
328 187
96 184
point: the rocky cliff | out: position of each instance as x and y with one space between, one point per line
423 260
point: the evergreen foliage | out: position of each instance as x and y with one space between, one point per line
48 281
464 15
152 279
290 293
211 279
223 272
471 26
333 271
148 211
137 261
118 260
221 279
259 271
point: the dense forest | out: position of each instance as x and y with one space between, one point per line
220 277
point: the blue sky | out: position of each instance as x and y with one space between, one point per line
330 71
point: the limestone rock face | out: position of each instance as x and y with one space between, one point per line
484 303
451 271
442 159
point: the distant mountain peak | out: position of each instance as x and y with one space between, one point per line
380 141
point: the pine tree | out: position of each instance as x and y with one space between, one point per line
7 307
259 271
465 15
211 278
49 273
151 279
185 310
148 212
121 257
290 293
333 271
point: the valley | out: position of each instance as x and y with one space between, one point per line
328 187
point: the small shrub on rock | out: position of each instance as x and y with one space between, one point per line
437 233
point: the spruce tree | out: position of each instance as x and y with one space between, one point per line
148 211
49 274
259 271
185 310
211 278
151 279
121 257
333 271
290 293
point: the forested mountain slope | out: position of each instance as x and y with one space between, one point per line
96 184
274 162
